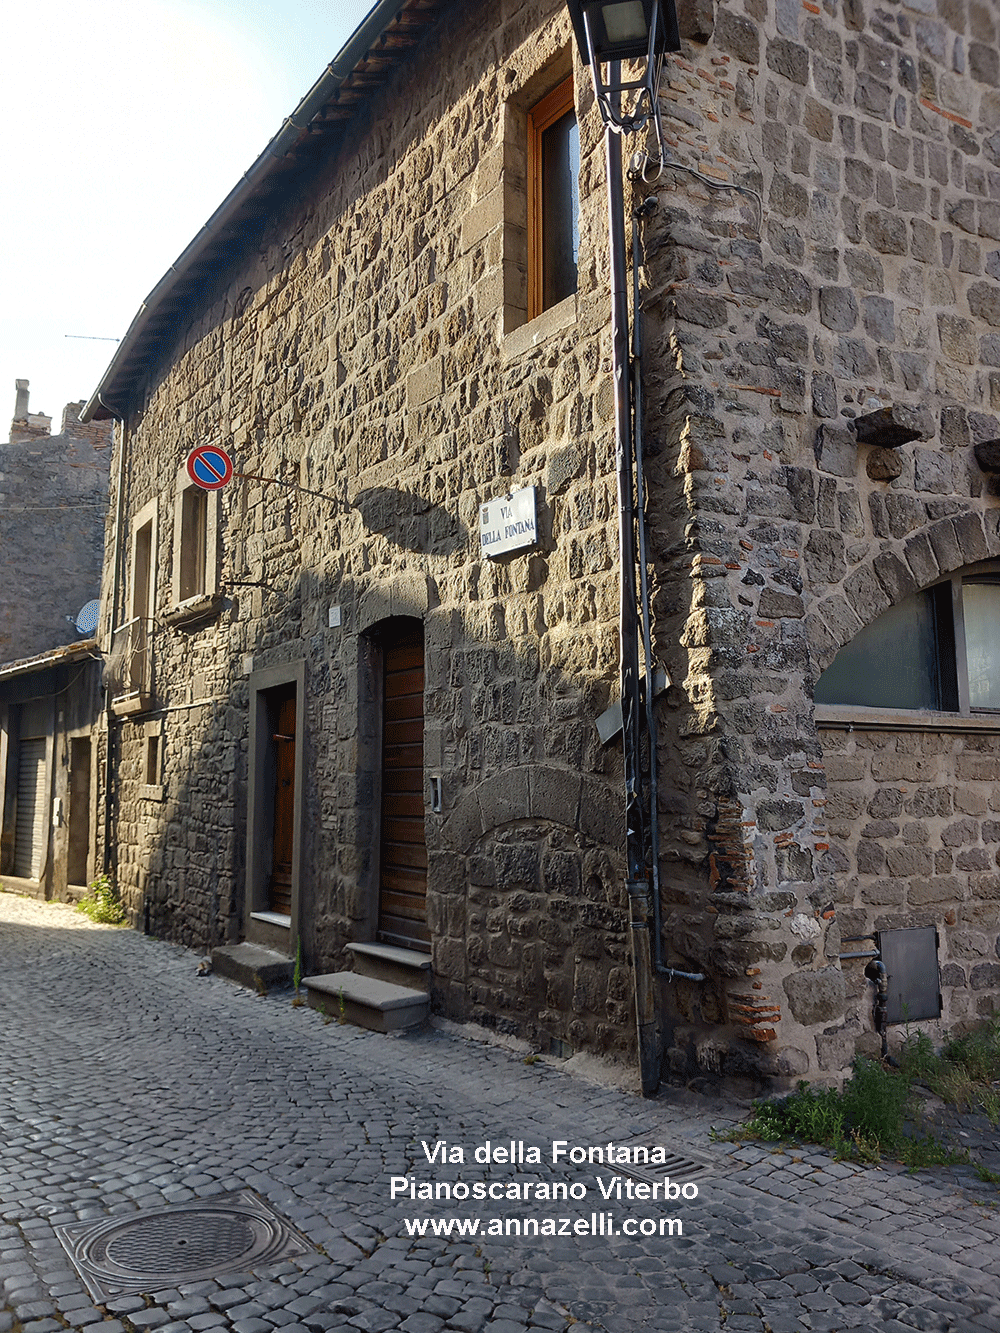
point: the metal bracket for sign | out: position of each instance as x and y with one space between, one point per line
293 485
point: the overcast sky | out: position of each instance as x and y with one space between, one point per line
124 124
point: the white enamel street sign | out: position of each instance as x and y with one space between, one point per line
508 524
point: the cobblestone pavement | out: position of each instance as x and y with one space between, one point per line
129 1084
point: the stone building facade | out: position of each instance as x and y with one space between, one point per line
53 498
821 378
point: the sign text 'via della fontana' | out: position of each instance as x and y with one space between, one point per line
508 524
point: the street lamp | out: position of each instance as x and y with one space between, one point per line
609 31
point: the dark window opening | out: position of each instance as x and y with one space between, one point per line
938 650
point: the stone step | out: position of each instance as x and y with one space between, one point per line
252 965
367 1002
388 962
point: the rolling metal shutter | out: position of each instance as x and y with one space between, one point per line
32 810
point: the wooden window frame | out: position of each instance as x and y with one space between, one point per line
541 117
195 554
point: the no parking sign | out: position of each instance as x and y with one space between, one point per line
209 467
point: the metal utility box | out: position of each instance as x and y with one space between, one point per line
911 960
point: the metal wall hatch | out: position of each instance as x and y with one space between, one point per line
911 960
184 1242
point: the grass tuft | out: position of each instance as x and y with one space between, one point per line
102 903
868 1118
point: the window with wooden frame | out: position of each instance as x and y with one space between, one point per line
195 561
553 176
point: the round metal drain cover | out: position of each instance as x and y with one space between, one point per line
184 1242
176 1242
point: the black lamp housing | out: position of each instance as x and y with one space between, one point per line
624 29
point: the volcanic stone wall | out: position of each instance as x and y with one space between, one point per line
366 350
914 821
369 349
861 275
53 490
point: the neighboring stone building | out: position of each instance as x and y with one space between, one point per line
341 725
53 500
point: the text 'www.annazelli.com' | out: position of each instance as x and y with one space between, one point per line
597 1224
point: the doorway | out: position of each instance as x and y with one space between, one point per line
79 811
274 806
281 731
32 823
402 915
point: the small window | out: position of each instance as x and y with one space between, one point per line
142 571
152 760
194 532
938 650
195 564
981 617
553 199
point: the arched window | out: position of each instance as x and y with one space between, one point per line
937 650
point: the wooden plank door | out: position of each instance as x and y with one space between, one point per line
282 716
403 851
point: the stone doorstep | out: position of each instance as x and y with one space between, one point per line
252 965
388 962
367 1002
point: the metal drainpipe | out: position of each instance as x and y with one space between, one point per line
113 617
643 210
636 883
878 975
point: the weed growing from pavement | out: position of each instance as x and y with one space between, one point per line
102 903
868 1117
297 974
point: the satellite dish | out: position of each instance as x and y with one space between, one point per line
86 619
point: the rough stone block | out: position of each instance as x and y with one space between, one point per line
816 997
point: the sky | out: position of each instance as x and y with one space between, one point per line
125 123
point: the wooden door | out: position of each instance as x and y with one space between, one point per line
281 715
403 851
79 811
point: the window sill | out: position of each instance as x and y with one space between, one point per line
131 703
855 718
557 319
193 611
151 792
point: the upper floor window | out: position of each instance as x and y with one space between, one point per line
553 175
938 650
195 563
193 533
143 571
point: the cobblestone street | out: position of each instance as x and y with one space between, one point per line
130 1083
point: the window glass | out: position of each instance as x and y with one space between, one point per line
892 663
981 613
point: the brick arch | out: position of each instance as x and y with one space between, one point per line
897 571
538 791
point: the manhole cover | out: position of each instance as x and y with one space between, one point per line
181 1243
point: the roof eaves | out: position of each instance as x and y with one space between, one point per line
102 403
70 652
